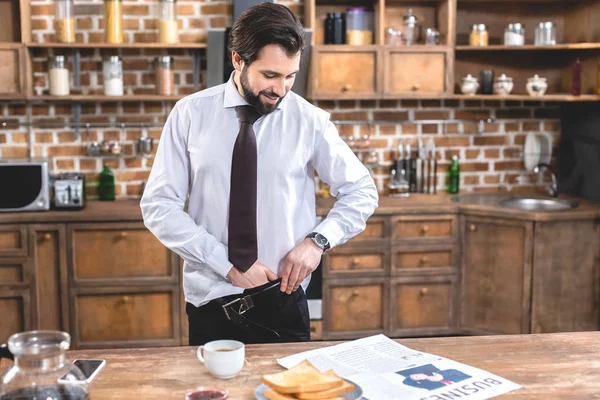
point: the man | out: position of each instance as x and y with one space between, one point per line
430 377
244 154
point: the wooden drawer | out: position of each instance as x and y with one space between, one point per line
354 307
347 261
12 69
424 228
15 308
13 271
316 330
376 229
407 259
414 73
126 318
13 240
125 251
345 72
423 304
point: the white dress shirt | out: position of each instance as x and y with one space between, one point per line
193 165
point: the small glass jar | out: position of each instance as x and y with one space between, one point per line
165 76
64 21
359 26
545 34
58 75
167 24
479 36
112 70
514 35
113 21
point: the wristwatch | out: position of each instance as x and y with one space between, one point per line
319 240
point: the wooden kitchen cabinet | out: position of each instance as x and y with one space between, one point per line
423 306
430 228
357 261
13 240
425 259
351 72
415 73
354 307
496 275
566 277
15 308
12 70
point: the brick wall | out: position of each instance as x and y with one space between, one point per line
490 161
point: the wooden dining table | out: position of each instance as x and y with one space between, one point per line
548 366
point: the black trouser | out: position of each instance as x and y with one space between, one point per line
283 313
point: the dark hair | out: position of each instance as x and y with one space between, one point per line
265 24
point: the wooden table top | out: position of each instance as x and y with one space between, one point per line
549 366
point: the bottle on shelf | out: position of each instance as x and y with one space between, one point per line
576 78
113 21
479 36
58 75
167 25
359 26
112 70
106 184
454 176
165 76
64 21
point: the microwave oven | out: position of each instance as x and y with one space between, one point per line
24 186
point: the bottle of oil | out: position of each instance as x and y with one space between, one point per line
106 184
454 176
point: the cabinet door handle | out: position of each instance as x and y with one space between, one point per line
313 329
472 228
123 235
424 260
355 261
424 229
346 87
46 237
416 87
423 291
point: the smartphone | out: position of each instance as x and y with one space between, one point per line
90 369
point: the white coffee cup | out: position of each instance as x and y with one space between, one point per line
224 359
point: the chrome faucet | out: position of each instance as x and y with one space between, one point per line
552 188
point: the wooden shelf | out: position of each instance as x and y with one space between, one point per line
517 97
102 98
530 47
117 46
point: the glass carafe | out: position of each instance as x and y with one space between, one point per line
39 361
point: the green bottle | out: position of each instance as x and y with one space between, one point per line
106 184
454 176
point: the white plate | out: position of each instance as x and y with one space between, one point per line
545 148
531 151
259 393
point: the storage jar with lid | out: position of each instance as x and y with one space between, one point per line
58 75
503 85
113 21
165 76
412 29
545 34
479 35
112 69
514 35
359 26
536 86
167 25
64 21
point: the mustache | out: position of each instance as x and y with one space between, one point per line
270 94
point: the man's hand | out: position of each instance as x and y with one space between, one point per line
258 274
298 264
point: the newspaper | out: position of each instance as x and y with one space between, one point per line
386 370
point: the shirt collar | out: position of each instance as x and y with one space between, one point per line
233 98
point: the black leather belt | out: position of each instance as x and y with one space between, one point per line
235 309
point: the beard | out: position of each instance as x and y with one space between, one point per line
254 100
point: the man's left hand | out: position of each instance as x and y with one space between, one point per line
298 264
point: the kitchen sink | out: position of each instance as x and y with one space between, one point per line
537 204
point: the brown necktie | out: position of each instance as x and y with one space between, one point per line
243 245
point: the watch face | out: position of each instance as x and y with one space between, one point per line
321 240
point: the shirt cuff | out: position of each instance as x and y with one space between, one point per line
219 261
331 230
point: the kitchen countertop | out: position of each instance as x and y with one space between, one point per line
472 204
549 366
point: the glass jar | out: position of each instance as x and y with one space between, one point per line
545 34
359 26
165 76
112 71
479 36
39 361
58 76
113 21
64 21
514 35
167 24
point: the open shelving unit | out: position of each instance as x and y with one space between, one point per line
420 71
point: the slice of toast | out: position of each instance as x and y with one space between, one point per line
346 387
302 378
273 395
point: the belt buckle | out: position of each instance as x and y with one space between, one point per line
246 304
